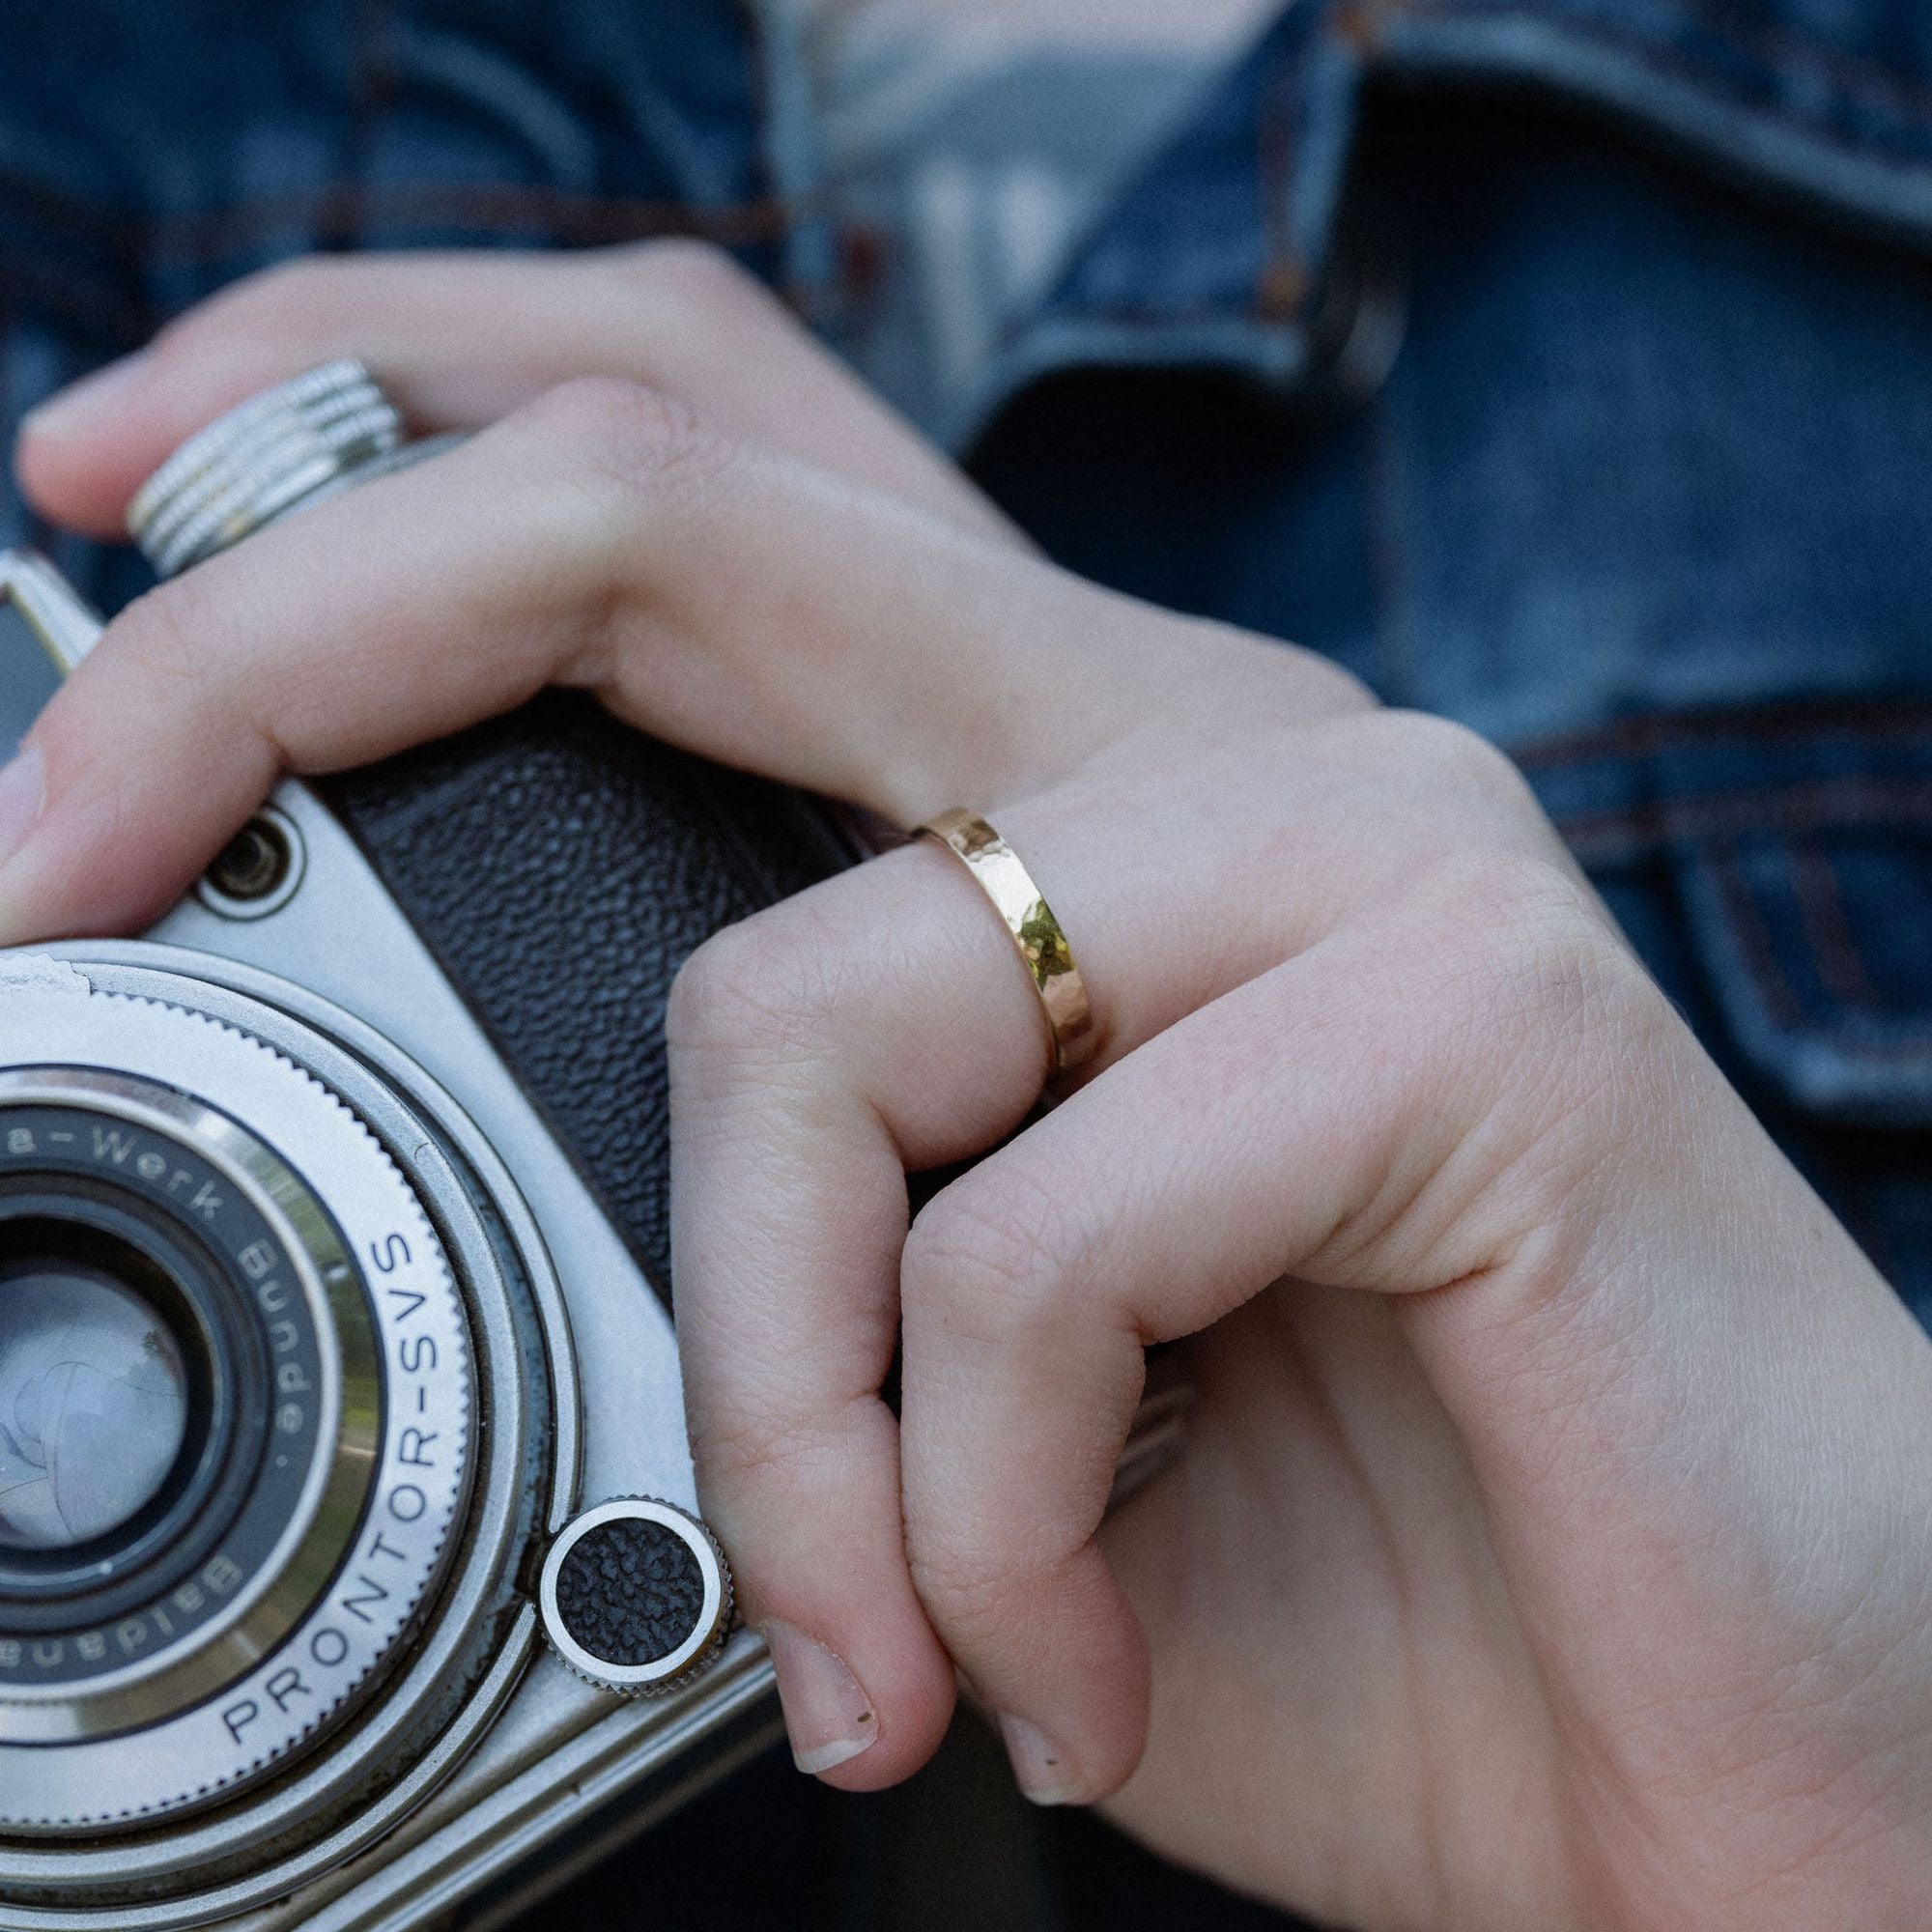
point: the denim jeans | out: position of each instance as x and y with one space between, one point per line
1561 366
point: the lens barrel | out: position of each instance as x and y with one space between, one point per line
78 1181
143 1619
236 1426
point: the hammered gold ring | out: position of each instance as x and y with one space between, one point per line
997 869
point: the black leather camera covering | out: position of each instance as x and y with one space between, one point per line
562 868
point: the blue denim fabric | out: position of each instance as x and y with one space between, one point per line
1561 366
150 155
1607 444
1228 243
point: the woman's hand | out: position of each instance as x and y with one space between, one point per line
1549 1548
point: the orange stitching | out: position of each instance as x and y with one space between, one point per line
1828 925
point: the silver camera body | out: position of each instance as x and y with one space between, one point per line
320 1369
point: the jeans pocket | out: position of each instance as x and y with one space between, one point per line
1816 943
1795 845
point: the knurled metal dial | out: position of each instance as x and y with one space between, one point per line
280 449
635 1597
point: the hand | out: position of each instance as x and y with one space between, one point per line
1548 1550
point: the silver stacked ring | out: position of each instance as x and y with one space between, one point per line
282 449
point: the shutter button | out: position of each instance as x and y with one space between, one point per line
635 1597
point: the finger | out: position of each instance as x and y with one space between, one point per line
807 1075
1284 1129
461 339
1454 1125
876 1024
736 602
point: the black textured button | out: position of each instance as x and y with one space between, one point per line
636 1596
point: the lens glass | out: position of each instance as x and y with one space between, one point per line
94 1404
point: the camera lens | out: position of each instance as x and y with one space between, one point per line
94 1404
121 1383
237 1420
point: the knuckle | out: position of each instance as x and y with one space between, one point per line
629 436
171 638
1324 685
1528 950
1522 906
1239 674
699 275
1457 761
766 1443
730 980
991 1581
988 1259
1525 1020
763 985
970 1581
1507 890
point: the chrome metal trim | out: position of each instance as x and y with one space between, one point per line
53 610
465 1615
225 905
142 1026
466 1836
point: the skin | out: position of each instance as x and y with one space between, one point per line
1549 1545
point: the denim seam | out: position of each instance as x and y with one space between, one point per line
1777 723
1782 1006
1779 45
1828 925
1283 283
1275 165
1755 947
1369 37
1795 808
1909 103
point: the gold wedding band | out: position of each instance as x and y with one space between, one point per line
1042 945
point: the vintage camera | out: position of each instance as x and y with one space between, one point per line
345 1497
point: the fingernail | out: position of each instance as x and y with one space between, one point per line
827 1711
1042 1768
24 792
94 398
